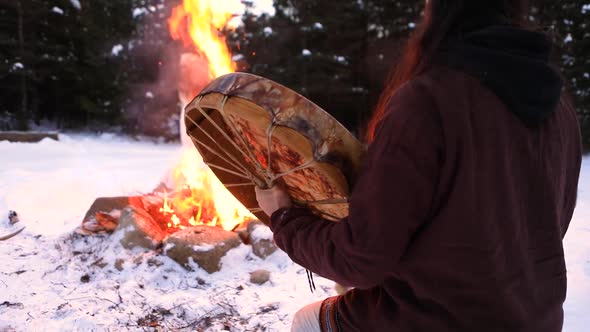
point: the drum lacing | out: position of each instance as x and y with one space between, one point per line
237 169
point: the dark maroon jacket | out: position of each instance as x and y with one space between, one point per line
457 220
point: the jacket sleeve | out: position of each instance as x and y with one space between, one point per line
390 201
574 158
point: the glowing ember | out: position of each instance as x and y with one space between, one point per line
200 198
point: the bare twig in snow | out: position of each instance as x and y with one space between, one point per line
55 270
6 237
59 284
95 297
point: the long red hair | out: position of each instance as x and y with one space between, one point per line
442 18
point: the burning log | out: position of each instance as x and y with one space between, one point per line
103 214
107 221
101 222
172 212
181 209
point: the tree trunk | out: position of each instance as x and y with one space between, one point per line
23 115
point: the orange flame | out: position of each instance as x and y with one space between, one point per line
166 209
207 201
198 25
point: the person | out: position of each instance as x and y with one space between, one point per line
467 189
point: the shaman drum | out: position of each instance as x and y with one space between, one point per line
252 132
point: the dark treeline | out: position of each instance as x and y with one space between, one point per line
90 65
111 65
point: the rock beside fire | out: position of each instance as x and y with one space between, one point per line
259 277
261 239
139 229
206 245
244 229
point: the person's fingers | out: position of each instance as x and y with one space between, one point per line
263 193
265 199
259 191
270 200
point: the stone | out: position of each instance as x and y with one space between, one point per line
244 229
139 229
252 224
154 262
268 308
260 237
119 264
13 217
263 248
259 277
206 245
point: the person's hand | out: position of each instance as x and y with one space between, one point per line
273 199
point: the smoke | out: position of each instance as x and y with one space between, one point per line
164 75
157 71
194 75
153 106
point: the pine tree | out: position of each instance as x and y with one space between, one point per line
58 61
336 54
17 72
569 24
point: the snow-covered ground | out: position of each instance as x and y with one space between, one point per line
577 256
51 280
